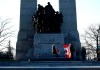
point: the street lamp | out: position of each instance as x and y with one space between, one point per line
98 42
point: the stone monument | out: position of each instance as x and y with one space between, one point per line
40 42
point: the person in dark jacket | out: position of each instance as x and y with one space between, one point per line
72 51
83 52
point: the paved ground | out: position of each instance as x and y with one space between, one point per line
48 65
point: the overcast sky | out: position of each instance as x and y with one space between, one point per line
88 12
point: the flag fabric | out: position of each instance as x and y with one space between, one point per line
67 50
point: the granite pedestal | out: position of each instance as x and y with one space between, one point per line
43 49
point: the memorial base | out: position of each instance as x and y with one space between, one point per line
43 47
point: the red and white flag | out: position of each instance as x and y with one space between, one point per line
67 50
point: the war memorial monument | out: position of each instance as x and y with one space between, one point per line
43 31
43 36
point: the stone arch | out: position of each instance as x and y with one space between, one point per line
27 9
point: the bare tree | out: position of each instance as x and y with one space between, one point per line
10 51
7 55
89 39
5 32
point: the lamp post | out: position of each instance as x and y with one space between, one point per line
98 42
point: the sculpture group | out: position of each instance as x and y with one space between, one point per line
47 20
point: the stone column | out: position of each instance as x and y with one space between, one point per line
69 26
26 32
68 9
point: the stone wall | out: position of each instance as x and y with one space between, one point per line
26 31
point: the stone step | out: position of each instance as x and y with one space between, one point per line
55 63
70 65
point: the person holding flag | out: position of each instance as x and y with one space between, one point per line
55 50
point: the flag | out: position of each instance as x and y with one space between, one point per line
67 50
